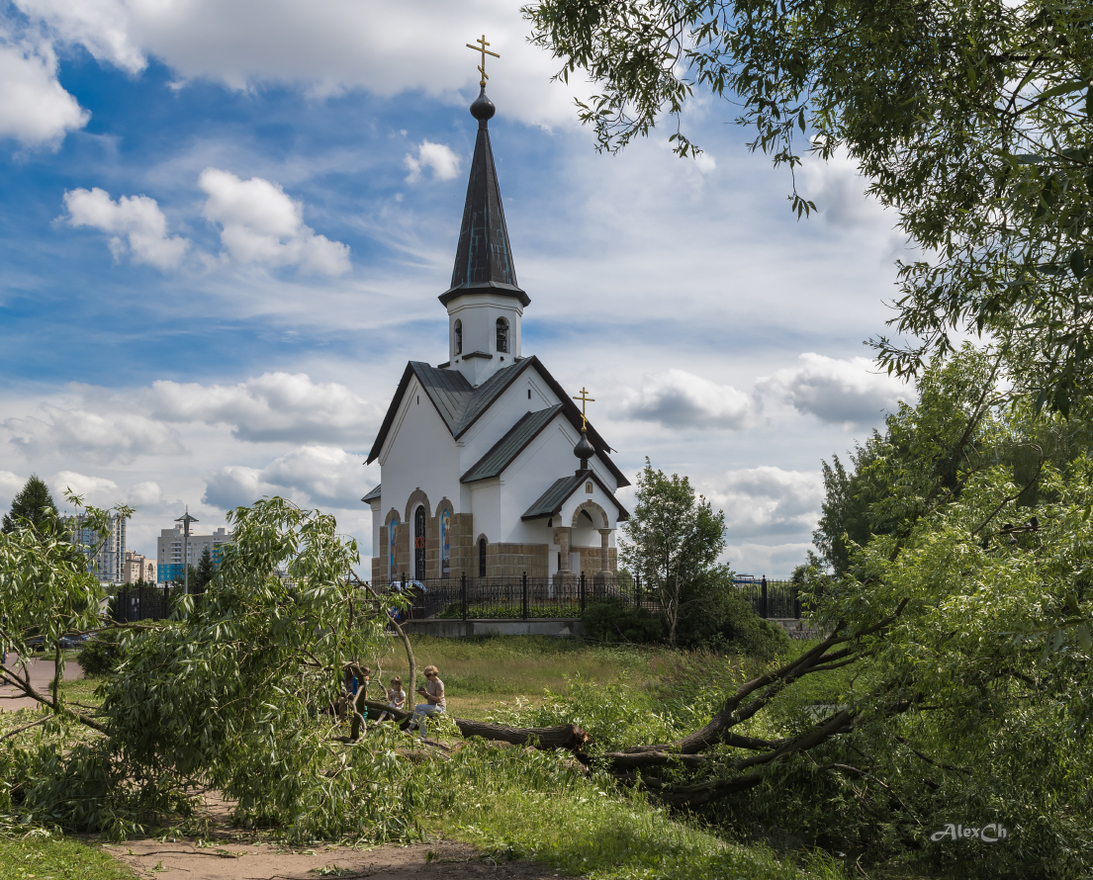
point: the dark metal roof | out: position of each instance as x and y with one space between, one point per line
551 501
506 449
372 496
483 256
460 404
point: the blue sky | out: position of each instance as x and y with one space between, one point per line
225 226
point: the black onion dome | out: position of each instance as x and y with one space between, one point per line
482 108
584 450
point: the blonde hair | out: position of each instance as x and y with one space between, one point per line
396 680
430 668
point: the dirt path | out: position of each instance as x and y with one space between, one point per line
41 674
232 861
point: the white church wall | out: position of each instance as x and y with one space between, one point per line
419 453
486 505
505 412
478 315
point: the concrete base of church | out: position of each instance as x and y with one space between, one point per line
561 627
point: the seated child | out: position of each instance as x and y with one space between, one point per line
396 697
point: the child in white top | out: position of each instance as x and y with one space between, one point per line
396 697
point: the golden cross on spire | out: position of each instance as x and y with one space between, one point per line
481 47
584 399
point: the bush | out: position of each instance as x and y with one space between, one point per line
613 620
721 619
101 653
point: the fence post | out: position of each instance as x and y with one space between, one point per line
463 592
524 585
637 590
796 602
763 597
582 594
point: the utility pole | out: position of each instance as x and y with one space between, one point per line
186 519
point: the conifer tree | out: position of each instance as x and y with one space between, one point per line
29 506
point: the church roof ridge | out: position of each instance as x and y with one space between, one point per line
483 254
505 450
459 404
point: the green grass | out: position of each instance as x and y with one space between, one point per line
45 858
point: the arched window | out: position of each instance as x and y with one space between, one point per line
482 558
502 335
459 337
419 543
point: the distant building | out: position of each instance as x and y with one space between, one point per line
139 568
105 558
169 551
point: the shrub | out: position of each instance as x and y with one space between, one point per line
615 621
102 653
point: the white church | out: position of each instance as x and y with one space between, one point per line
487 465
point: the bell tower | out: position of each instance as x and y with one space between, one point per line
484 302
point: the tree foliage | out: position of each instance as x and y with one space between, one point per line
30 507
672 539
971 120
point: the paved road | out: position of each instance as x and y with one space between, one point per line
41 674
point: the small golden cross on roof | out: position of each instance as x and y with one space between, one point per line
584 399
481 47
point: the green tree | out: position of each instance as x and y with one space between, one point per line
202 576
970 120
30 507
672 538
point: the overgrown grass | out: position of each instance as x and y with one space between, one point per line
511 803
47 858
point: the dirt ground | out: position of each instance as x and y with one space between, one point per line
41 674
213 861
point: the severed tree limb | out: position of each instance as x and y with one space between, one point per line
412 680
54 703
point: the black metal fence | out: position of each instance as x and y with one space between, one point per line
145 602
523 597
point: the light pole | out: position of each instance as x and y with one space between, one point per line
186 519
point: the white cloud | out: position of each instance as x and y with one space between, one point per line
94 490
767 499
273 406
680 399
96 436
34 108
260 224
437 157
145 494
10 486
137 218
321 475
849 392
327 45
764 559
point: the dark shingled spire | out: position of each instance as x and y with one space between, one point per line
483 257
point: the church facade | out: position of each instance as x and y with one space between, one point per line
488 467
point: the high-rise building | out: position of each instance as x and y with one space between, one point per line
169 551
105 556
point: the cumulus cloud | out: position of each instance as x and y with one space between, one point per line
321 475
326 45
762 559
273 406
96 436
10 486
34 108
849 392
260 224
443 163
768 499
99 491
145 494
677 398
839 193
135 223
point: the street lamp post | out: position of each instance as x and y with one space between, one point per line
186 519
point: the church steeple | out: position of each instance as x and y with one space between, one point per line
483 256
485 302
